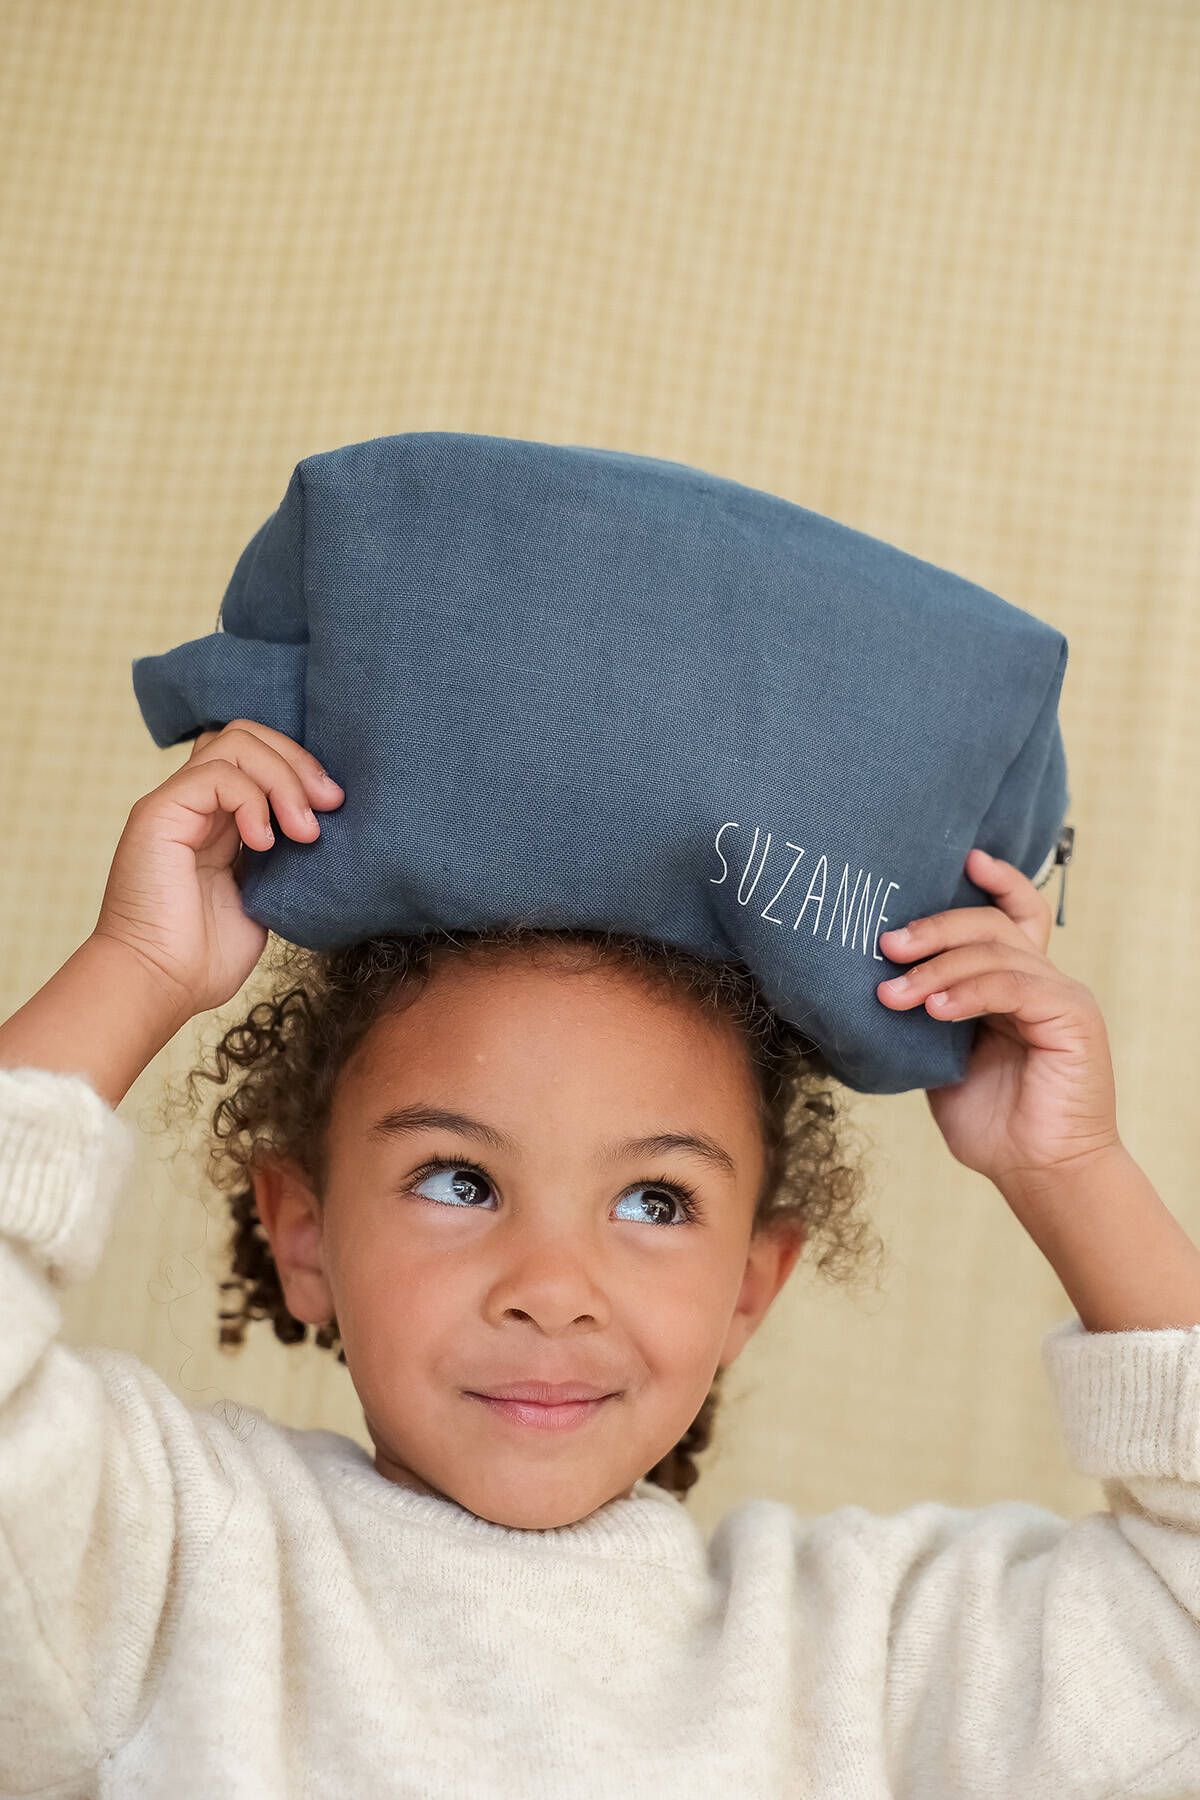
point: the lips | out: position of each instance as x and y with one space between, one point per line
539 1415
544 1393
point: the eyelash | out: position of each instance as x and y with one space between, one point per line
689 1200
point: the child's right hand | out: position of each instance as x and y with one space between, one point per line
173 895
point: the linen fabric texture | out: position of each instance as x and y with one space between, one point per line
585 687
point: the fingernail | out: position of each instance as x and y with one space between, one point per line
326 776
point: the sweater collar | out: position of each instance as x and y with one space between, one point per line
649 1525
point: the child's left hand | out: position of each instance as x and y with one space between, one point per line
1039 1093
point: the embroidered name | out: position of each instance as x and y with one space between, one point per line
858 908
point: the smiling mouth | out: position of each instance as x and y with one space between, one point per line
541 1416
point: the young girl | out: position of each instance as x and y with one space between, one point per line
543 1215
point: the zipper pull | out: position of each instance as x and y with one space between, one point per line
1062 856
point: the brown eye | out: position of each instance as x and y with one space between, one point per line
459 1191
665 1196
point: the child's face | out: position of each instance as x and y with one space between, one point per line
558 1261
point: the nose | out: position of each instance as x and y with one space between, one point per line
549 1280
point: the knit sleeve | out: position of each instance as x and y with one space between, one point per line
1055 1659
109 1490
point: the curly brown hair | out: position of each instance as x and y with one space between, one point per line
292 1046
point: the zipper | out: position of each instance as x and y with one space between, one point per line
1062 855
1064 850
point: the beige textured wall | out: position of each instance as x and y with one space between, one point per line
929 266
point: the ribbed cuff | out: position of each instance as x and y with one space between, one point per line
1128 1401
65 1158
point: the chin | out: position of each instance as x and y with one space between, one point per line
537 1511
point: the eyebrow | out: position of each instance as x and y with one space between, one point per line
403 1120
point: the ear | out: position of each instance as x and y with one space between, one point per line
769 1261
293 1221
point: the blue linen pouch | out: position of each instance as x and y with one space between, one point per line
587 687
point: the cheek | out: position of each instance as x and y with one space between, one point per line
679 1310
400 1303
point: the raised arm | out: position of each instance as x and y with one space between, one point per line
93 1522
1028 1655
111 1489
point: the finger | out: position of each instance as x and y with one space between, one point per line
200 742
964 963
319 787
1021 916
237 792
1013 893
275 773
945 930
1015 1002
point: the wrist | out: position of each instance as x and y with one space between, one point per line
1123 1258
104 1015
162 1003
1079 1177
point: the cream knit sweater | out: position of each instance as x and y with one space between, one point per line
197 1605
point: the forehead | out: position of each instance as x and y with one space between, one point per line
482 996
554 1030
